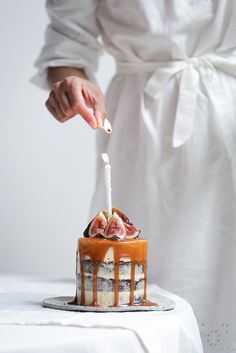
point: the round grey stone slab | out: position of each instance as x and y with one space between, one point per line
63 303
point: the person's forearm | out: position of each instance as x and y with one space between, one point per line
56 74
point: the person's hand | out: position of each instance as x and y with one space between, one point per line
74 95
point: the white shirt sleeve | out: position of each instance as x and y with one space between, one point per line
70 39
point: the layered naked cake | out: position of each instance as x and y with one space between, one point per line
111 262
111 272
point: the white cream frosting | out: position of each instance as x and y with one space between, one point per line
107 298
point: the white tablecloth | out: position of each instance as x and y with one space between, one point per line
27 327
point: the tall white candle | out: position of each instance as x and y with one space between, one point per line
107 178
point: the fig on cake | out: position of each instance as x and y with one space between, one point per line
97 226
115 227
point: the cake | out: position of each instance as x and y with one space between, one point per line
111 263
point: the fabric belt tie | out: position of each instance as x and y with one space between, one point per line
190 70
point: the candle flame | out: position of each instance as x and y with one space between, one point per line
105 158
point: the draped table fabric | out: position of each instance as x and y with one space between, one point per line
25 326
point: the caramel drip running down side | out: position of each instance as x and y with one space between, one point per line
95 283
131 302
96 249
117 282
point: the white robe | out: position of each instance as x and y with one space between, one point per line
172 149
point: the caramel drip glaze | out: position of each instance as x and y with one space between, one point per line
96 249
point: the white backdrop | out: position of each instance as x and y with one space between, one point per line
46 168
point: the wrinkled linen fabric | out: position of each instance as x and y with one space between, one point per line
172 107
149 332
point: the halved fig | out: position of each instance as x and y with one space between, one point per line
122 215
131 231
97 226
115 228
